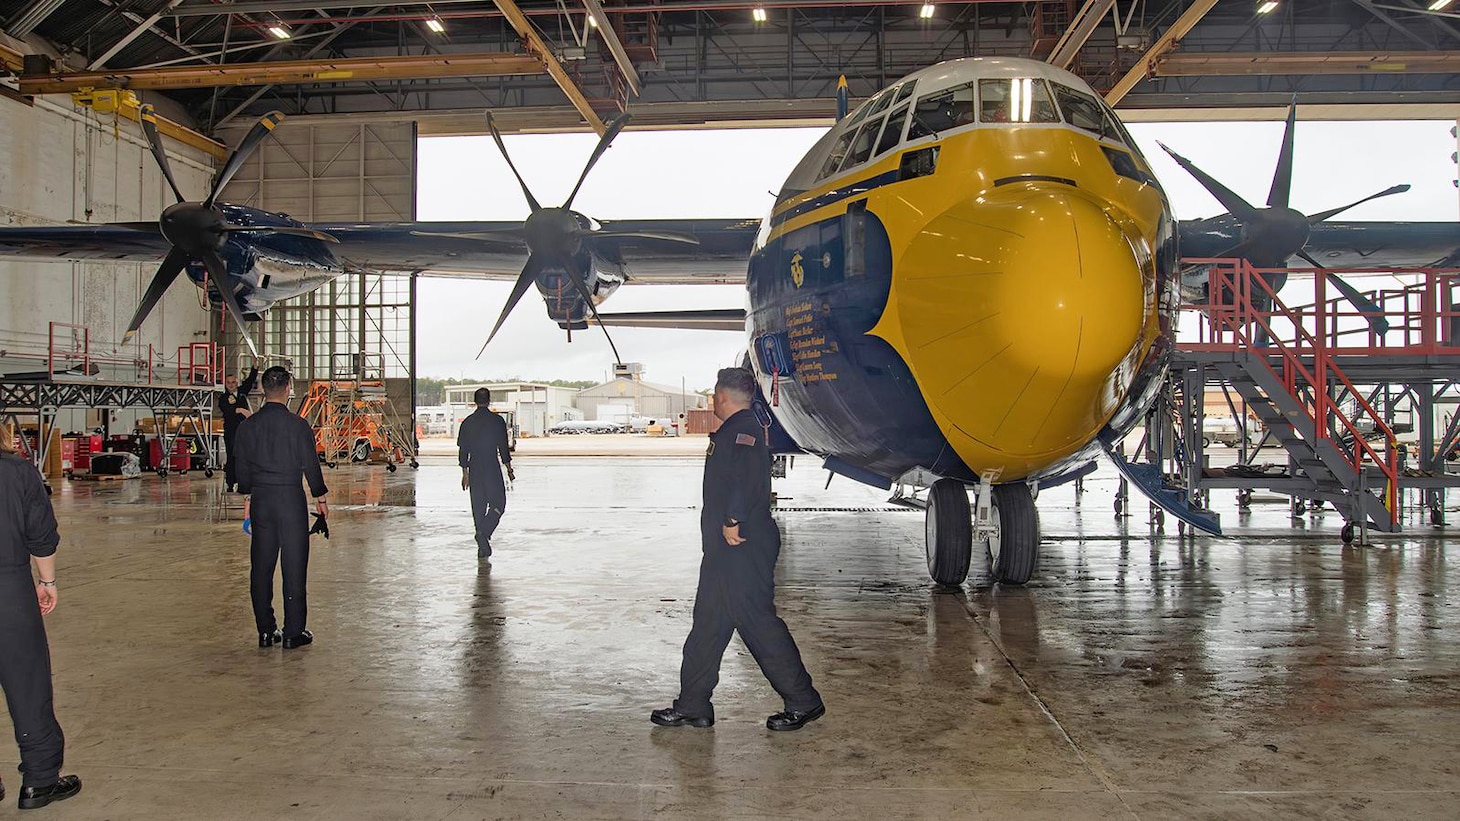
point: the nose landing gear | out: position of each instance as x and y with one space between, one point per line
1007 524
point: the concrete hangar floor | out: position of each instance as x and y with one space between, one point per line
1271 674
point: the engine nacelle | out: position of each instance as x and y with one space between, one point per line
565 305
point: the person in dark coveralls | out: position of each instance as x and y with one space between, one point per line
481 442
28 536
234 407
275 454
737 573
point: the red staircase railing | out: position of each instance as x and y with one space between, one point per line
1304 342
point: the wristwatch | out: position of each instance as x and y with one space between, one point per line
729 522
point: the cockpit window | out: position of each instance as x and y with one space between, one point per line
880 104
861 113
941 111
838 153
862 145
1017 100
892 134
904 92
1085 112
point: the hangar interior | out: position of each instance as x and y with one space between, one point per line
1290 668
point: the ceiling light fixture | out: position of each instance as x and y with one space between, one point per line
758 15
279 31
1440 5
592 21
436 25
1267 6
926 12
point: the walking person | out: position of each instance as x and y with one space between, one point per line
233 404
737 587
481 443
275 455
28 538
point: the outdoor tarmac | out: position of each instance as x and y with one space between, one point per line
1273 673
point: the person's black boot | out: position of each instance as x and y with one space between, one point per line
270 639
670 717
298 641
33 798
794 719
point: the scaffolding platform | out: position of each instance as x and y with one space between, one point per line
1355 399
74 378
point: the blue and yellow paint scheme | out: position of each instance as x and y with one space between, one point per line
985 297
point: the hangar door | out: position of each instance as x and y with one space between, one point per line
335 171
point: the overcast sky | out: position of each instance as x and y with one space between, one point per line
687 174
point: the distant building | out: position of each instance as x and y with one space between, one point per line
535 407
628 395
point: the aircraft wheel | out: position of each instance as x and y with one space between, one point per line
1347 534
1013 549
361 452
949 535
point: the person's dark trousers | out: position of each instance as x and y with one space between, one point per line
25 675
230 433
488 503
737 591
280 531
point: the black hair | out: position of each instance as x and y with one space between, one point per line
737 381
276 379
482 396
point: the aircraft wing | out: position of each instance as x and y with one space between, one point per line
495 250
111 243
1341 244
1375 244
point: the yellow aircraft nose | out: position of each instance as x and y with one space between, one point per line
1021 316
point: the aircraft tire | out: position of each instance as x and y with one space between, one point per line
1014 551
949 532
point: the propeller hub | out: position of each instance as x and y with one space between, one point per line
193 227
1274 236
553 233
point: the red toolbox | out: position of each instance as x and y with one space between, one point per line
86 445
179 461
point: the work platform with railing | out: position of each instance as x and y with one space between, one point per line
1351 401
66 371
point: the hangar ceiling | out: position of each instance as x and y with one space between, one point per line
691 62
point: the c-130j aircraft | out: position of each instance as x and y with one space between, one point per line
969 283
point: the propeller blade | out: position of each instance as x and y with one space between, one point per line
245 149
524 281
290 230
1377 323
1282 178
1235 205
502 147
171 266
218 272
148 116
582 285
150 226
1323 215
603 142
505 233
667 236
